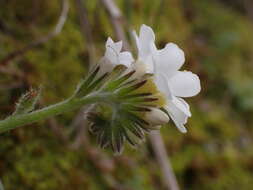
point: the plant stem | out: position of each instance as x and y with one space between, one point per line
13 122
1 186
158 145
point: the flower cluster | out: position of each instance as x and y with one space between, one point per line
142 111
164 64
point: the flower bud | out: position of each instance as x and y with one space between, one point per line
27 102
156 117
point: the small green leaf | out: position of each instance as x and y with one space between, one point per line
27 102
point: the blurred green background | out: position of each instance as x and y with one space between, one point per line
216 153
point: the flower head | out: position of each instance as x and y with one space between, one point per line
174 84
136 105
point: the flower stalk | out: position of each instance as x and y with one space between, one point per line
70 104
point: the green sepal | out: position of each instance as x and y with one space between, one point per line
130 89
117 82
82 87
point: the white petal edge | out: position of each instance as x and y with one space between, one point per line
109 42
118 46
169 59
147 33
181 104
146 37
115 46
184 84
179 112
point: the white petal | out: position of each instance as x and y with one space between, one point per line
126 58
110 53
149 60
149 64
146 38
105 66
161 82
109 42
169 59
182 105
146 33
114 46
140 69
145 43
111 56
118 46
184 84
179 112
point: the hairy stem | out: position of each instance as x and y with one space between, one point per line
13 122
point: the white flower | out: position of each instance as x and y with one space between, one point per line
165 64
114 55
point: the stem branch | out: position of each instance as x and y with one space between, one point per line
13 122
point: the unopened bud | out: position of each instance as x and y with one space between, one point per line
156 117
27 102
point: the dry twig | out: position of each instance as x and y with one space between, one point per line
1 186
80 125
163 160
248 5
86 29
116 19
